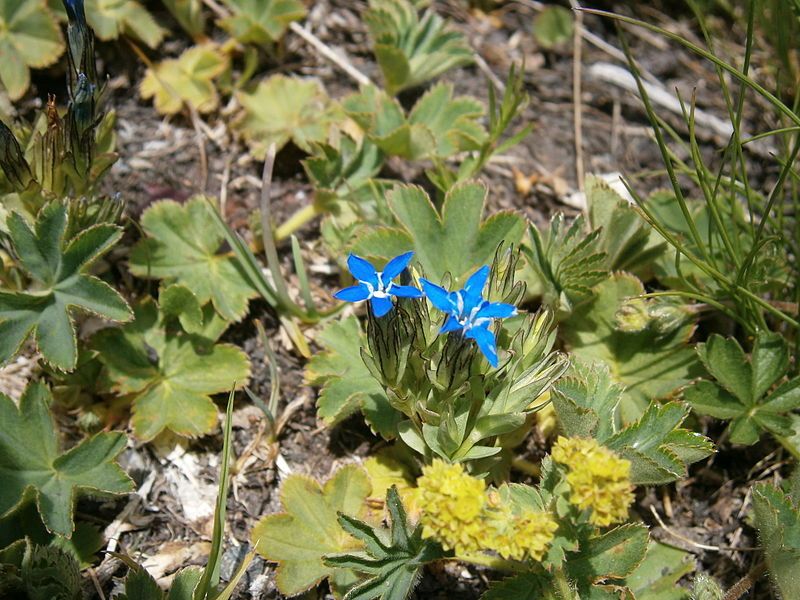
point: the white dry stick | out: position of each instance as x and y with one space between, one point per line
339 60
623 78
487 70
577 102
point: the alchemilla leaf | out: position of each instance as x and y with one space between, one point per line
650 364
298 538
183 246
30 462
169 375
61 285
261 22
347 385
282 109
457 241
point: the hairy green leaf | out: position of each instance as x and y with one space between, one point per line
168 374
614 554
50 573
298 538
650 364
391 559
183 246
30 462
59 269
741 393
777 518
657 576
112 18
553 26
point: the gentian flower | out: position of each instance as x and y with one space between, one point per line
469 312
377 286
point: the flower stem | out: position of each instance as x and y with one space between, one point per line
563 589
300 217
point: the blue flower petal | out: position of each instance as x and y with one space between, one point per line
381 306
354 293
477 281
486 342
438 296
362 270
405 291
496 310
395 266
450 324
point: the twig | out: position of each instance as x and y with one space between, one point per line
577 104
97 587
487 70
691 542
340 61
620 77
223 189
742 586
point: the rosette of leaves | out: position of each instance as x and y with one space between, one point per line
308 530
568 260
438 126
588 402
261 22
168 373
392 559
30 38
749 391
184 246
186 80
410 50
776 515
34 469
454 240
652 362
60 285
39 572
284 108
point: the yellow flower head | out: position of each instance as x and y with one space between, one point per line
451 504
598 479
518 536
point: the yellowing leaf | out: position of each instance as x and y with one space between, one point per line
309 528
187 79
29 38
261 21
282 109
112 18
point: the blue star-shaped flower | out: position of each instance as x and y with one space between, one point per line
469 312
377 286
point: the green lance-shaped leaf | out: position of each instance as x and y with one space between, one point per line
777 518
183 246
285 108
457 241
391 559
347 384
59 270
650 364
742 393
261 22
300 537
30 462
168 374
30 38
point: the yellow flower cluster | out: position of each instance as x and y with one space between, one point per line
517 536
457 511
451 503
598 479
